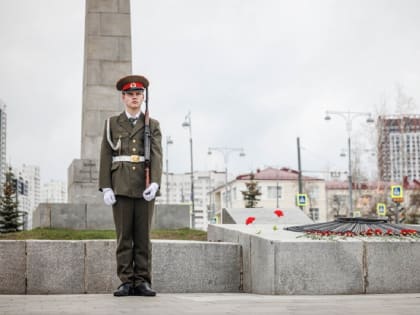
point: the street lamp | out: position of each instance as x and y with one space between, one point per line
226 151
348 117
187 124
168 142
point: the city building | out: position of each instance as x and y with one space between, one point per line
398 147
366 196
278 189
179 192
29 196
54 191
3 125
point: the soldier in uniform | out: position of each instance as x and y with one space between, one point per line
122 181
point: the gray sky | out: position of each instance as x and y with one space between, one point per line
254 73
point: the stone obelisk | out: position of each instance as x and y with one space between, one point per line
107 58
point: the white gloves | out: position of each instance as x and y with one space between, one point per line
150 191
109 196
149 194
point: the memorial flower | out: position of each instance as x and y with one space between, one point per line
249 220
278 213
378 232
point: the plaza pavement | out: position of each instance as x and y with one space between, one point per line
227 303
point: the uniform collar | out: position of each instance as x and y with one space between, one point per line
131 116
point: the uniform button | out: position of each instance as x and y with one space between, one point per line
134 140
134 168
134 149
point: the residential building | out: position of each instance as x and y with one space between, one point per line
54 191
29 197
179 192
3 125
398 147
366 196
278 189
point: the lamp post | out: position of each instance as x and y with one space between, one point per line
226 151
187 124
348 117
168 142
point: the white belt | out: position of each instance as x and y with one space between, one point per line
128 158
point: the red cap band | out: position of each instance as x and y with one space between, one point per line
132 85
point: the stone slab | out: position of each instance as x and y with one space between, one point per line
393 267
42 216
188 267
102 5
293 216
68 216
99 217
60 215
171 216
55 267
100 266
318 267
262 266
12 267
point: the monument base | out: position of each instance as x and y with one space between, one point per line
83 175
99 216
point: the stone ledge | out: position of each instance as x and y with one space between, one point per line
74 267
276 262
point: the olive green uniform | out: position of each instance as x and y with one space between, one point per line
132 213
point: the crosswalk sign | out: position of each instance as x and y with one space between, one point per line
381 209
397 193
301 200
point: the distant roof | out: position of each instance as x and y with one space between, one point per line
271 173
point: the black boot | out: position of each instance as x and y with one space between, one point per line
124 289
143 289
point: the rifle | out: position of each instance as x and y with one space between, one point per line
147 137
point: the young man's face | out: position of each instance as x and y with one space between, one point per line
133 100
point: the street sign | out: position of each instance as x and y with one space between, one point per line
381 209
397 194
301 200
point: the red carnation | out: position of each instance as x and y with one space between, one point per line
279 213
378 231
249 220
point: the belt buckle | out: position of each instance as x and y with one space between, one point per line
135 158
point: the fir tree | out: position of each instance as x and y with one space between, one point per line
9 215
251 194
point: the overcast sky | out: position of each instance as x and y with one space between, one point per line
255 74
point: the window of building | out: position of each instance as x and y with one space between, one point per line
314 193
314 214
274 192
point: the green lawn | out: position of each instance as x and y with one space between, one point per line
67 234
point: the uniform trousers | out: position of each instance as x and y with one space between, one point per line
133 218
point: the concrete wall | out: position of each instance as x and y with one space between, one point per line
73 216
99 216
74 267
171 216
277 262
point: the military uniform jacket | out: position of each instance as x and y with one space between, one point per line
128 178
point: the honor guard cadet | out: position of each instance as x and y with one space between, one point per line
129 177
